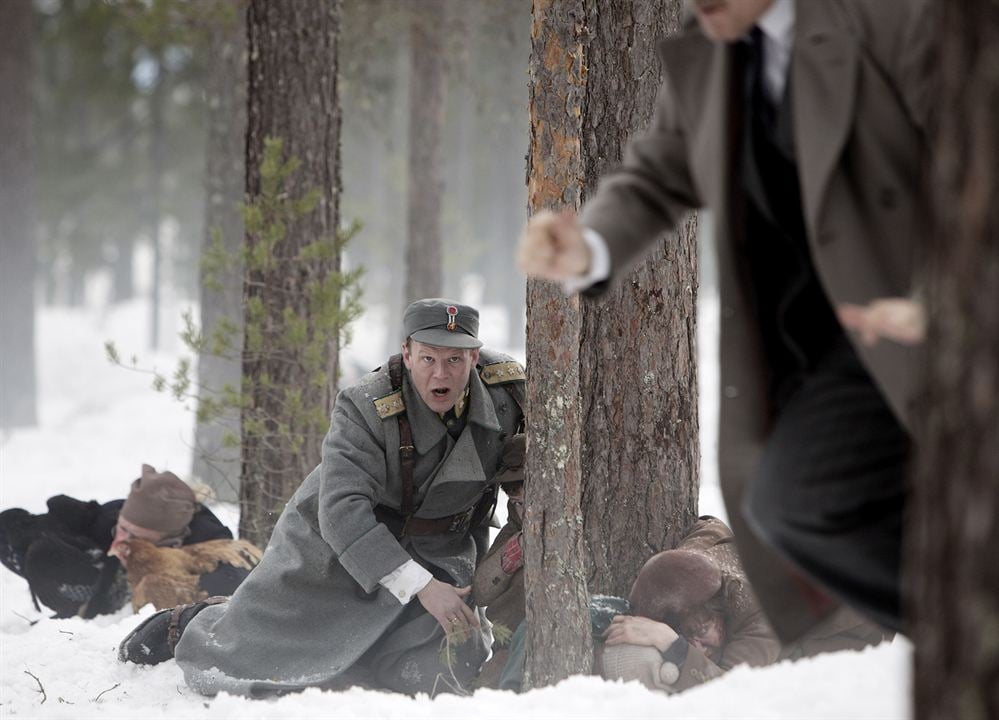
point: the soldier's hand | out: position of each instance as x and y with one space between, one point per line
552 247
635 630
899 319
446 603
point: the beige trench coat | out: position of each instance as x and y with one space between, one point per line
859 105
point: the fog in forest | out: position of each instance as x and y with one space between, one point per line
107 142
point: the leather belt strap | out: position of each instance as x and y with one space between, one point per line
174 630
401 526
401 522
406 449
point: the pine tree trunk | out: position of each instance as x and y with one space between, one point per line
427 101
215 464
292 95
638 373
558 639
612 384
954 533
17 230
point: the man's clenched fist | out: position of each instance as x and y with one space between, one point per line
552 247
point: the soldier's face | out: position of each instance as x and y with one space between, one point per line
439 374
728 20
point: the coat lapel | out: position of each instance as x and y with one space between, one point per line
698 71
463 463
428 430
824 67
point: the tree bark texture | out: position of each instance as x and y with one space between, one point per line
638 371
17 220
225 88
612 383
292 95
558 638
954 533
427 101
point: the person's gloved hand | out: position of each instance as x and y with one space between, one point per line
512 555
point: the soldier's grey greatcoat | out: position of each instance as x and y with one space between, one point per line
314 607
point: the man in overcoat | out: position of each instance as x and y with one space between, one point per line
801 125
366 578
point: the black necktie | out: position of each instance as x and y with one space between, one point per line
762 107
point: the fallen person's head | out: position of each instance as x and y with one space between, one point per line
441 350
159 509
683 589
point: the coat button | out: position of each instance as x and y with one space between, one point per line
731 391
728 312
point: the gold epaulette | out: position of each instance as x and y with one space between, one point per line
502 372
390 405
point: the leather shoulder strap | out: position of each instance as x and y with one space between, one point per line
406 450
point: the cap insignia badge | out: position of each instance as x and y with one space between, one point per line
452 316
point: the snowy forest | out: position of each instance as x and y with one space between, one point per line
214 213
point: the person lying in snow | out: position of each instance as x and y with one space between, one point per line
63 554
694 617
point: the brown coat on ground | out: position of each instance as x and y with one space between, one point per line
167 577
749 638
502 595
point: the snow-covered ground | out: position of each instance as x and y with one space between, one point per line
98 423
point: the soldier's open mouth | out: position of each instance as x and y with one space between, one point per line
440 392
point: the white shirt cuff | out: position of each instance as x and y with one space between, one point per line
406 580
599 263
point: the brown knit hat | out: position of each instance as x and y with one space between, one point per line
161 502
511 468
673 582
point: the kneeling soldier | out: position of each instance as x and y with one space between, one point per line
387 518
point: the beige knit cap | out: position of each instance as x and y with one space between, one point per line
160 501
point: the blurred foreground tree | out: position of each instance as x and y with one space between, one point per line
17 220
292 288
954 531
612 383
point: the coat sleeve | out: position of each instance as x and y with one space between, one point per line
353 478
206 526
753 643
649 193
490 581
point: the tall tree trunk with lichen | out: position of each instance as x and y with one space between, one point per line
638 373
953 533
17 231
612 383
288 382
427 101
216 463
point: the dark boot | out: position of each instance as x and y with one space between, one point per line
155 639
